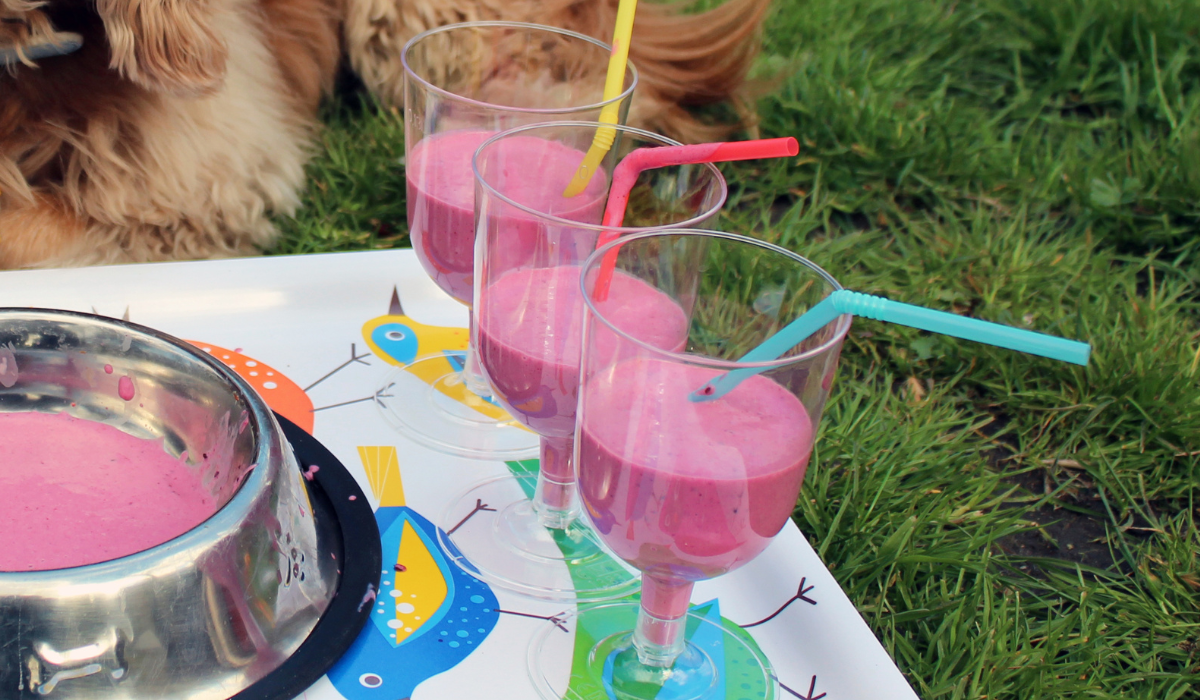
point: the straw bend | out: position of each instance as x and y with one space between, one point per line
603 141
625 175
622 35
860 304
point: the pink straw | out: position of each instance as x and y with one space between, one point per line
626 173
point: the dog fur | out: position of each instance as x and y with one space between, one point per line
181 126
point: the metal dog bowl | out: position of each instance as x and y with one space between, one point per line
204 615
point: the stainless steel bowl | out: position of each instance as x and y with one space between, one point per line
204 615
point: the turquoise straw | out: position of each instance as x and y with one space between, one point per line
846 302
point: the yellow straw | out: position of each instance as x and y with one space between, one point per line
613 84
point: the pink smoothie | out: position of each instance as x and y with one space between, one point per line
78 492
687 491
530 324
441 197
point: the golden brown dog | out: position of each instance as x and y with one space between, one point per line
180 126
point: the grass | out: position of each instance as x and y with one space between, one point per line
1010 527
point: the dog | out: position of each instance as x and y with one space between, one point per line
178 128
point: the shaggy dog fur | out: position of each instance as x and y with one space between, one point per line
182 125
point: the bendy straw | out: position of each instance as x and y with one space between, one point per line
626 173
881 309
603 141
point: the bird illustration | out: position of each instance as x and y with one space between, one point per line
284 396
399 340
428 615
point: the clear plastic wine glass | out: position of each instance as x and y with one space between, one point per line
682 485
464 83
531 244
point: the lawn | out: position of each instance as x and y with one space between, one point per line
1010 527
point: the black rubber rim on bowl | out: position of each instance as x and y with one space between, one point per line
339 502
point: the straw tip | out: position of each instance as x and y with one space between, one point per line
1071 351
793 146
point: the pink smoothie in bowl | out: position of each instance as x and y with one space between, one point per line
441 198
75 492
689 490
530 332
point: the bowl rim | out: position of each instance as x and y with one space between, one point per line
227 518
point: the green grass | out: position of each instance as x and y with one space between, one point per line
1033 163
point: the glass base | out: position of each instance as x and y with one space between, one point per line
428 402
716 664
493 533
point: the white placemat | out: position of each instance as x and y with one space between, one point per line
304 316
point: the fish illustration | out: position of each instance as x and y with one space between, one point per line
428 615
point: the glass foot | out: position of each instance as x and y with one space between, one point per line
493 533
717 663
428 402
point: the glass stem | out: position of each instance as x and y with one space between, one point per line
472 372
554 499
662 621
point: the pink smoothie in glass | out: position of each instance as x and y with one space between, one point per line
687 491
77 492
441 197
530 334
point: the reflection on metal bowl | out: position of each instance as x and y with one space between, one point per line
206 614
